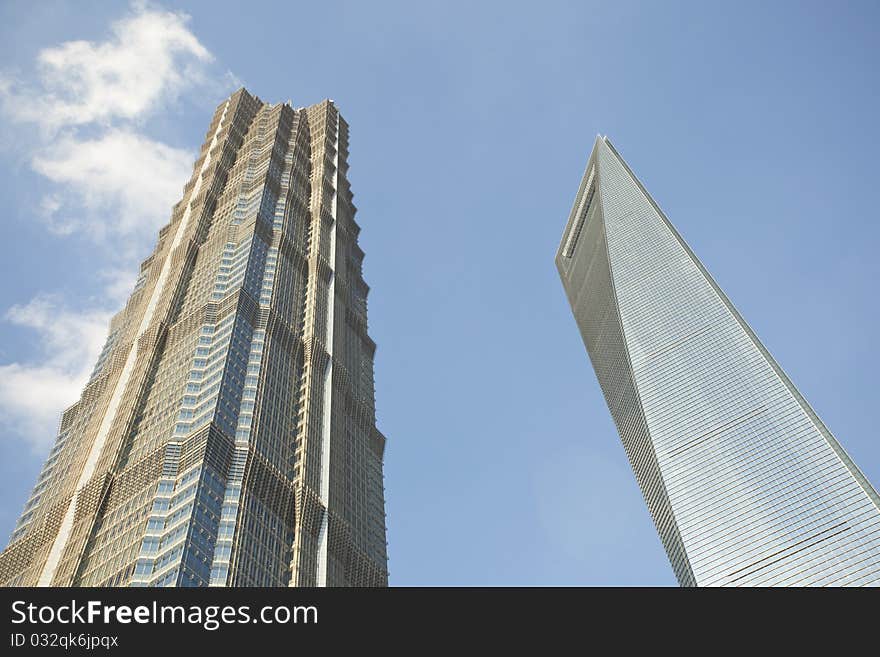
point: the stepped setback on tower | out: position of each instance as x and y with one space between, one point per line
227 436
745 484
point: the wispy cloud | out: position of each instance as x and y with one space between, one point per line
119 174
88 102
150 58
109 182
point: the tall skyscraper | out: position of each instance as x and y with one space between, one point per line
745 484
227 435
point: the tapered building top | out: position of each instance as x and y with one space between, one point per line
744 482
227 435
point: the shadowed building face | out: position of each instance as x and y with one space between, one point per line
744 482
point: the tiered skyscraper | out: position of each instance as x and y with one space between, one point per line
745 484
227 435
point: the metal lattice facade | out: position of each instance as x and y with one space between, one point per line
228 435
744 482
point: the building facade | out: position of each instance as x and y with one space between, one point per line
227 436
745 484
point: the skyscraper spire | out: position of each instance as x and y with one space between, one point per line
744 482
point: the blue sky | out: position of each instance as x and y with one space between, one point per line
754 125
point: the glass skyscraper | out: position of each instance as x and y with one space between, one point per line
745 484
227 436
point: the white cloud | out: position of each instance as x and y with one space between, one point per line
50 205
124 182
151 58
52 216
89 100
33 394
